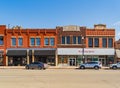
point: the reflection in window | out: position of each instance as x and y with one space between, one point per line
79 40
90 42
46 41
1 40
63 39
52 41
96 42
37 41
104 42
32 41
13 40
110 42
68 39
20 41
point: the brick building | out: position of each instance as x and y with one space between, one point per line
64 45
21 46
117 49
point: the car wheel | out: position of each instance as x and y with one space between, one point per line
27 67
114 67
96 67
82 67
39 67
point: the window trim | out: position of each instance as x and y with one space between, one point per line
11 41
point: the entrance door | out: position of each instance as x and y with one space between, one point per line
72 61
103 61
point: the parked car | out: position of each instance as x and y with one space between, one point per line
93 64
115 66
35 65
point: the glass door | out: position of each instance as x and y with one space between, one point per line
72 62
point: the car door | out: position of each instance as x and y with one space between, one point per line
118 65
87 65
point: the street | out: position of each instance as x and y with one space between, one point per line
59 78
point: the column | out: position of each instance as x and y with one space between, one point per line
33 56
6 59
28 57
56 58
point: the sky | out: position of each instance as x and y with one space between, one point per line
52 13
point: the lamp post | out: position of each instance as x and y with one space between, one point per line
83 57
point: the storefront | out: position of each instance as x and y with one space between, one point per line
74 56
46 55
16 57
1 57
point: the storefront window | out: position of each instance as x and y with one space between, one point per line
1 58
52 41
46 41
110 42
96 42
13 41
20 41
37 41
32 41
1 40
104 42
90 42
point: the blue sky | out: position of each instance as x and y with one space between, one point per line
52 13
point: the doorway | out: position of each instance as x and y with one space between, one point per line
72 61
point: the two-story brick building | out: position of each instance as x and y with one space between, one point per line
21 46
66 45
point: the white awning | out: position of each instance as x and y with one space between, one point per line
118 53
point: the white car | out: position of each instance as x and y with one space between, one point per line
115 66
93 64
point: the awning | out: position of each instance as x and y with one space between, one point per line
118 53
16 53
44 52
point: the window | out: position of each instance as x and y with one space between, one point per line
52 41
1 40
68 39
79 40
63 39
104 42
90 42
20 41
96 42
46 41
74 39
32 41
37 41
13 41
110 42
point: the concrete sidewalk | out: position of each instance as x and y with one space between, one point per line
49 67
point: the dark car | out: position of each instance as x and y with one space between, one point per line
35 65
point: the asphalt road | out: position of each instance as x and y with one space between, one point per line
59 78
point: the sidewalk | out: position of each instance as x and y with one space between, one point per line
49 67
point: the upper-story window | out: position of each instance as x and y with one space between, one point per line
77 40
63 39
68 39
104 42
13 40
52 41
1 40
37 41
20 41
96 42
110 42
90 42
74 40
46 41
32 41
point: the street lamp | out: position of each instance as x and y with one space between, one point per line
83 57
